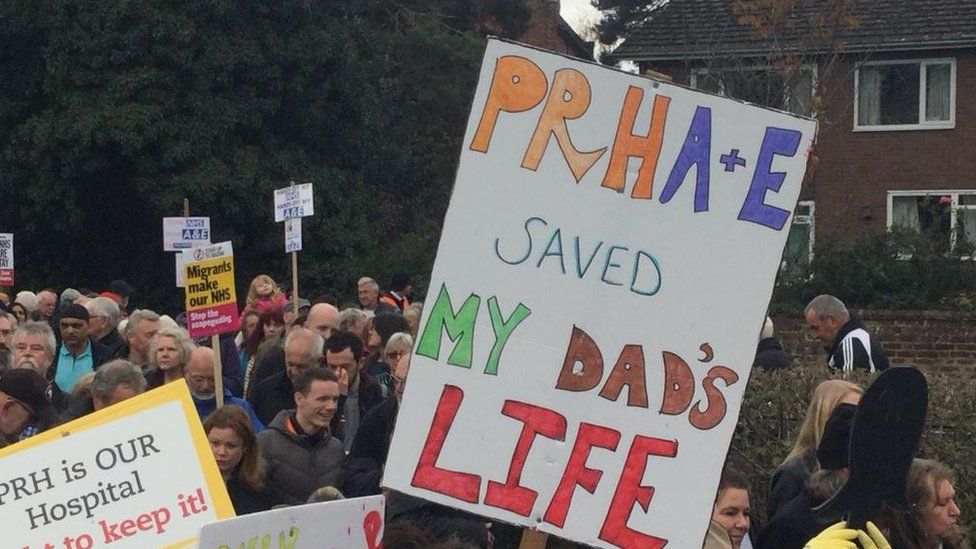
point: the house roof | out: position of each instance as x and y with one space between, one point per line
581 48
688 29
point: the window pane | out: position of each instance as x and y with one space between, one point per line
904 212
796 258
966 231
800 92
934 218
930 215
899 94
967 199
888 94
804 209
937 96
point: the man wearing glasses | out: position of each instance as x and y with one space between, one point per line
22 401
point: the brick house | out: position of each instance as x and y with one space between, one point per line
897 103
547 29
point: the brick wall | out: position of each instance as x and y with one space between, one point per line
543 28
938 340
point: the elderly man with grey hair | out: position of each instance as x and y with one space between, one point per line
103 322
34 347
142 325
303 350
69 296
368 292
848 345
114 382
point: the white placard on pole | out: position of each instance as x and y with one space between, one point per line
606 262
6 259
293 235
294 201
183 233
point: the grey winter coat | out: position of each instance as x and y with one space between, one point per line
297 465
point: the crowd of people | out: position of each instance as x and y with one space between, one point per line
818 465
311 394
815 470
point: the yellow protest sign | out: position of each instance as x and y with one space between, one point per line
211 300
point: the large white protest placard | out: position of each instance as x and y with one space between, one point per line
604 270
344 524
134 475
183 233
6 259
294 201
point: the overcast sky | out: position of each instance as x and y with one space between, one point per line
578 13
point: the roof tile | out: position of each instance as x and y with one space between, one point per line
700 28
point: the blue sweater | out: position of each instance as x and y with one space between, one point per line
207 407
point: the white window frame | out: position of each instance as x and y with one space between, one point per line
953 209
814 78
922 81
809 219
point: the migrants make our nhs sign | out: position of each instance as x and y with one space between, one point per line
604 270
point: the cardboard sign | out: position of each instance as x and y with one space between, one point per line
183 233
6 259
293 235
180 270
211 300
344 524
137 474
294 201
602 277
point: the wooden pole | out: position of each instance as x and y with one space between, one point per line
533 539
214 342
294 275
294 283
218 370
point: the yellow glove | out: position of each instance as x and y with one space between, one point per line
873 539
839 536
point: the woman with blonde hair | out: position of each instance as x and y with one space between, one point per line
790 476
235 449
169 352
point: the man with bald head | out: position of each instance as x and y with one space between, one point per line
322 318
200 379
848 345
303 350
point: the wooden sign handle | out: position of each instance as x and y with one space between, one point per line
218 370
533 539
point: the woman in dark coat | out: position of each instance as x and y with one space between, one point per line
235 448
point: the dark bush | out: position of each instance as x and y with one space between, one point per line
893 270
773 410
